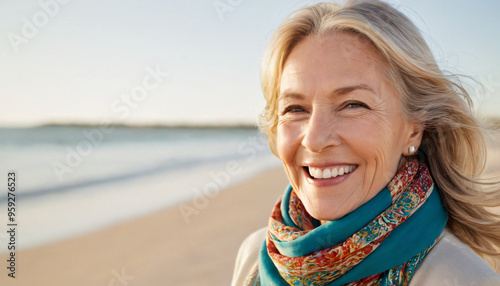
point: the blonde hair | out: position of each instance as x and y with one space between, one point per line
453 142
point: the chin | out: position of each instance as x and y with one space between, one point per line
325 211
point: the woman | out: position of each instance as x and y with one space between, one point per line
381 152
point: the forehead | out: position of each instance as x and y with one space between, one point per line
333 60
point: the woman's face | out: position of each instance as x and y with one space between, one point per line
341 133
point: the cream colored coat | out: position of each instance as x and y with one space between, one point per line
449 263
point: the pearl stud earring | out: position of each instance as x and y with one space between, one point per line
412 149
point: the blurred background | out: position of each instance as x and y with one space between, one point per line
123 121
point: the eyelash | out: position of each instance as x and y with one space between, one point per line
357 104
354 104
291 108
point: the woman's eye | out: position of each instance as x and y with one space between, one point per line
356 105
292 109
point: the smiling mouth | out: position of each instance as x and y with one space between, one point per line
327 173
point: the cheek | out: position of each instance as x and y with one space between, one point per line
375 141
288 140
362 135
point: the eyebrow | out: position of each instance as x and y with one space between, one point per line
338 92
290 95
345 90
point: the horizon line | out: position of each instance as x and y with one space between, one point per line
138 126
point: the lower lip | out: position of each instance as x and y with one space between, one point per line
327 182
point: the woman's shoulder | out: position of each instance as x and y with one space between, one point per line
452 262
248 255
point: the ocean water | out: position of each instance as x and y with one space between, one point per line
74 179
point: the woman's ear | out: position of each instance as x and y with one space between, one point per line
414 140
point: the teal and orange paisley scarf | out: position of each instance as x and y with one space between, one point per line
381 243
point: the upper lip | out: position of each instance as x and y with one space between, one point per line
326 165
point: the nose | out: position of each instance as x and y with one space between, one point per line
321 132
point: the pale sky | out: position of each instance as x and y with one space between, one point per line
79 61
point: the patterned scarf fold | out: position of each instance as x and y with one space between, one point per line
381 243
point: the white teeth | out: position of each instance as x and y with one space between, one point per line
319 173
330 173
335 173
327 174
313 172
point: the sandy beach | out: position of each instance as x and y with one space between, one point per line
159 249
163 248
